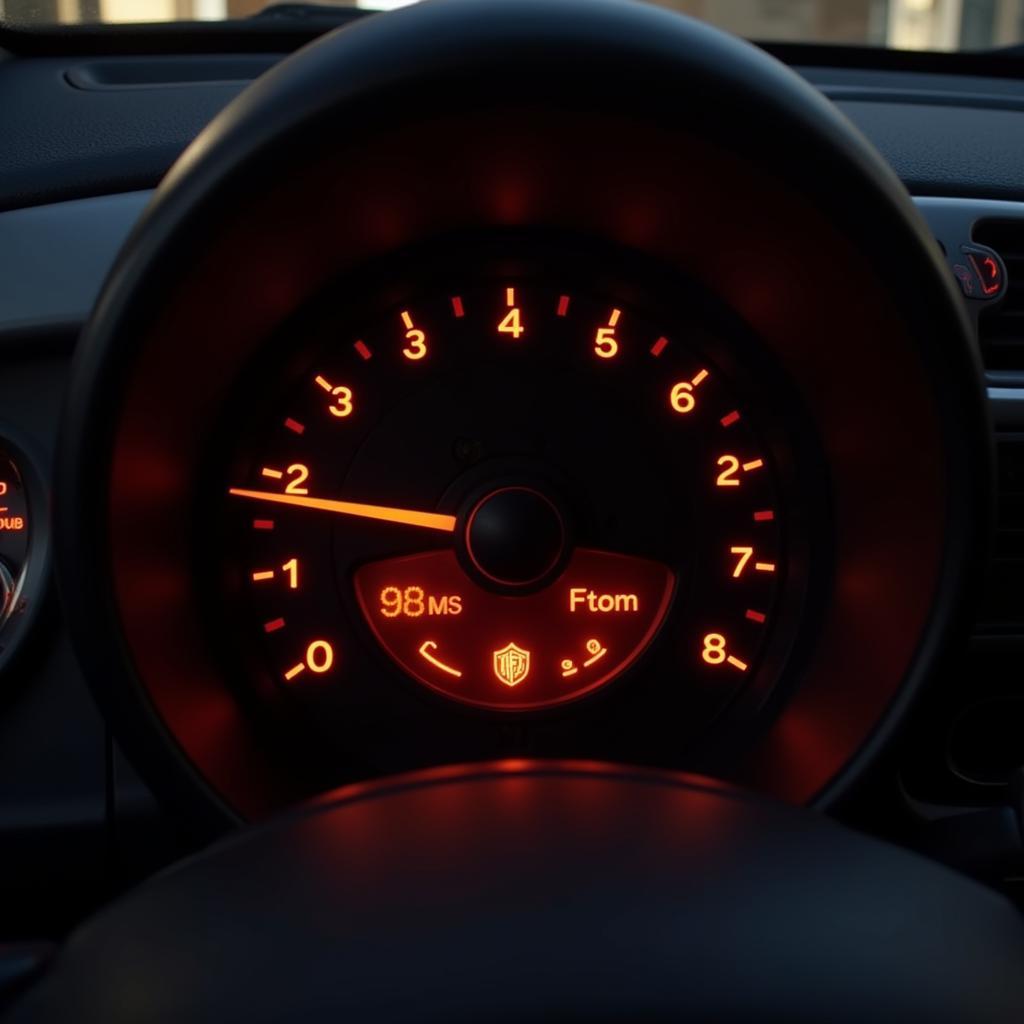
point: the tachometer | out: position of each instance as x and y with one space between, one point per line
511 482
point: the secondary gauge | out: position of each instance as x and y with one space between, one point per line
23 547
509 484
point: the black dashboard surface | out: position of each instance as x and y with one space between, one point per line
88 126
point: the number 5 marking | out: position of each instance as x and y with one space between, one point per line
606 346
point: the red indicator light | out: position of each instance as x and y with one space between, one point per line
563 305
294 426
263 524
498 651
989 273
658 347
273 626
363 349
764 517
729 419
457 307
755 616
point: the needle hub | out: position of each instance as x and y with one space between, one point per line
515 536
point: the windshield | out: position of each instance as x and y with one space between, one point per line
898 24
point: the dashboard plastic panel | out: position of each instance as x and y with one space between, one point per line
944 135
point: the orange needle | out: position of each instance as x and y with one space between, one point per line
405 516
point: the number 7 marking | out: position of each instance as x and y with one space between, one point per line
744 557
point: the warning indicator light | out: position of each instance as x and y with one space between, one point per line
512 652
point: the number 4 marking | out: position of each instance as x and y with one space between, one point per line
512 321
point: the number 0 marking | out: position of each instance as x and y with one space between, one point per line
319 659
319 656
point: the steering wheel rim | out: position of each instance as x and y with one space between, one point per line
535 891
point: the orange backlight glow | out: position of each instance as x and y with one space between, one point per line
514 652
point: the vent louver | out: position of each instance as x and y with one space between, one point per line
1001 329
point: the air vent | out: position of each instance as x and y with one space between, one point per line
1001 329
1003 603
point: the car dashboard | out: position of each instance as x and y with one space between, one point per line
445 511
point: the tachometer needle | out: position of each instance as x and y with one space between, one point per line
405 516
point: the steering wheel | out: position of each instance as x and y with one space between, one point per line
535 889
545 892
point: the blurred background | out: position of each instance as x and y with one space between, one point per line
899 24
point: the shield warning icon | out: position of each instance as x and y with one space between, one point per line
511 664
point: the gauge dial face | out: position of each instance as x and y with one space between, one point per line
503 487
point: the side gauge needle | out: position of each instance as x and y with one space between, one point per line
404 516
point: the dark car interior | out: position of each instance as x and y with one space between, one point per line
511 510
